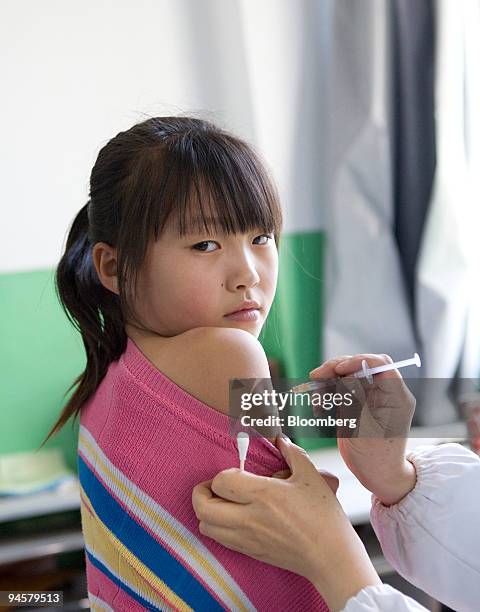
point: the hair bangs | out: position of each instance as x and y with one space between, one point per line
213 183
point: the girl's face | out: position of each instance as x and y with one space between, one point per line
195 280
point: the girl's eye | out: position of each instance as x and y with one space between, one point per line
267 236
199 245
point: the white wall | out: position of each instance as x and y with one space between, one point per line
76 73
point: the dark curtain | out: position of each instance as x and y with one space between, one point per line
413 128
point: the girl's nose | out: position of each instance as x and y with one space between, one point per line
244 274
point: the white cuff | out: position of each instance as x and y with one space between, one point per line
382 598
432 537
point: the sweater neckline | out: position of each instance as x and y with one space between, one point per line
141 368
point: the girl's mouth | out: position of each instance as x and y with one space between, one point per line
250 314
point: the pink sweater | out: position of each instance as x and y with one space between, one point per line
144 444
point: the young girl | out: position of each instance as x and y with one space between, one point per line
181 230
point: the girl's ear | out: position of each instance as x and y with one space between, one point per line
105 261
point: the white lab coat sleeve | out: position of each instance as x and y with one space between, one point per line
382 598
432 536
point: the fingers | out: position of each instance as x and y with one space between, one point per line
277 439
235 539
327 369
202 492
282 474
214 510
348 364
223 535
331 480
297 458
238 486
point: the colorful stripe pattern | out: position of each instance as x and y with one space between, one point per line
129 522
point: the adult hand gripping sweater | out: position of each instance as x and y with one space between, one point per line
144 444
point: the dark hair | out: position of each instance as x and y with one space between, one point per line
159 166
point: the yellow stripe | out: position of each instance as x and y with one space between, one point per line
191 550
102 607
123 562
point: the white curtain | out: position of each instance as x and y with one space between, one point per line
449 270
366 303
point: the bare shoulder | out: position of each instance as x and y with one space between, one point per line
234 350
205 359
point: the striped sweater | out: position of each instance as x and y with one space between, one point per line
144 443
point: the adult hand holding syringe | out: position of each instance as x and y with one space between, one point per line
377 453
364 372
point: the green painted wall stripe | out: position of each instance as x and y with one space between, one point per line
293 332
40 356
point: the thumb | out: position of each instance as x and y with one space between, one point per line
331 480
297 458
282 474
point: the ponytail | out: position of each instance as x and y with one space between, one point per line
92 309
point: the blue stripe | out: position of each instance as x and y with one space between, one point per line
143 545
104 569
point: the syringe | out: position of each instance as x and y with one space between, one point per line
365 372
